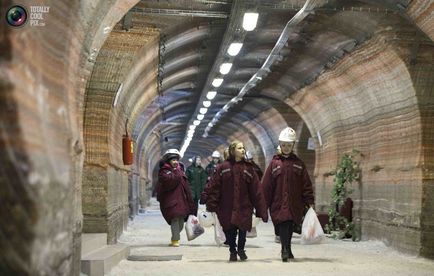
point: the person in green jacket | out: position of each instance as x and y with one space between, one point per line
197 177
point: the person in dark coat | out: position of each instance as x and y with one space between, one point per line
288 190
256 168
196 176
210 168
234 190
174 194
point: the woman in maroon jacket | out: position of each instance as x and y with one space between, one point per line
233 191
174 194
288 190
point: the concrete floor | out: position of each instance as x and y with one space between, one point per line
149 234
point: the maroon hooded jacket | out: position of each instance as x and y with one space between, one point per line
173 193
287 188
233 191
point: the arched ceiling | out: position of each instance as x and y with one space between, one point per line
191 35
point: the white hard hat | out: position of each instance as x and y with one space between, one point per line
249 155
287 135
215 154
206 219
171 153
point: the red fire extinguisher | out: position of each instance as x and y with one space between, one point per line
127 147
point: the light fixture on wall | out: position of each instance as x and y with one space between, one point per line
234 48
207 103
217 82
249 21
225 68
211 95
117 94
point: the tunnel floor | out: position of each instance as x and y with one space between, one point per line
149 235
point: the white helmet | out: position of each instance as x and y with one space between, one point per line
171 153
215 154
249 155
287 135
206 219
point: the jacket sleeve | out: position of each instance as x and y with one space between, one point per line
257 197
308 197
189 176
267 182
213 191
169 179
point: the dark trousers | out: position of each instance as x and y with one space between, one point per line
231 236
196 204
285 232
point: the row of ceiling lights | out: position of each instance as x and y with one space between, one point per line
250 20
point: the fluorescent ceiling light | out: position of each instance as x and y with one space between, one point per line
196 122
234 48
207 103
211 95
203 110
192 127
217 82
225 68
189 135
250 20
200 117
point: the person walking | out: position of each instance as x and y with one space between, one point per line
196 176
234 190
288 190
210 168
174 194
256 168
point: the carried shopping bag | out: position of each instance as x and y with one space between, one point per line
206 219
193 228
311 230
219 235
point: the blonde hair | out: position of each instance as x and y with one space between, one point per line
232 147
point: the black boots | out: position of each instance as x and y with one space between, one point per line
233 257
290 253
285 255
285 233
242 255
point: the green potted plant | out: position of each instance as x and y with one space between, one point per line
346 173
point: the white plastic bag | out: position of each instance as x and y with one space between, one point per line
193 228
219 235
206 219
311 230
